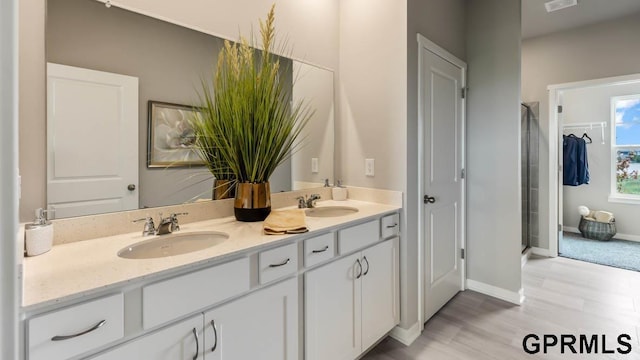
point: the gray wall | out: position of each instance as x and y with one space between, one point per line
168 60
602 50
493 143
9 288
443 22
594 105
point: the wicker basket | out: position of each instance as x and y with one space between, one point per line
597 230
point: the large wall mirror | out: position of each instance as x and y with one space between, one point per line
169 63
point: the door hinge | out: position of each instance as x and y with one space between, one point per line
463 92
462 254
462 174
559 109
559 227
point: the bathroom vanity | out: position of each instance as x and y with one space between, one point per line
330 293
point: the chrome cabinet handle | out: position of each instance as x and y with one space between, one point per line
215 336
195 334
281 264
326 247
392 226
429 199
67 337
364 259
359 267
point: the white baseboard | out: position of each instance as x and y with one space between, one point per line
618 236
540 252
406 336
496 292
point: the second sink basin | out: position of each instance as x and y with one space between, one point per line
173 244
331 211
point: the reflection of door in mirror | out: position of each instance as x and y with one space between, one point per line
92 141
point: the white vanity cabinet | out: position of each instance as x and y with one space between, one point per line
262 325
351 303
181 341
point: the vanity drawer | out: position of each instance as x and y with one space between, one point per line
278 262
65 333
318 249
390 226
169 299
358 237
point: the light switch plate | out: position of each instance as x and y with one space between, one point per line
369 167
314 165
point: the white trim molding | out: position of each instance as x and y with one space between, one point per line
406 336
513 297
541 252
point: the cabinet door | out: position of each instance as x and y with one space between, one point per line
262 325
332 310
380 291
175 342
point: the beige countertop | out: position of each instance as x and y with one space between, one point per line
79 269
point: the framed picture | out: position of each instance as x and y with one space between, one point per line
170 142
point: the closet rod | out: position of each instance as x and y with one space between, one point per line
591 125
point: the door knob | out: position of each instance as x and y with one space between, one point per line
131 187
429 199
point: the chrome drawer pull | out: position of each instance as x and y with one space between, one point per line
215 335
392 226
67 337
281 264
195 334
321 251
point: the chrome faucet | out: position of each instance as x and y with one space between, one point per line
167 225
310 202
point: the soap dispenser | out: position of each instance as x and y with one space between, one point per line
339 192
39 234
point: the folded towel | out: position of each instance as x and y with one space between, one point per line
285 222
603 216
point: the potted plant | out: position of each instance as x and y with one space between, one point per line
248 118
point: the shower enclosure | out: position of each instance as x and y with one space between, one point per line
529 133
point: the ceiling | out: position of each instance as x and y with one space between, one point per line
536 21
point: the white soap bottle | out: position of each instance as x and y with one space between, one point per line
39 234
339 192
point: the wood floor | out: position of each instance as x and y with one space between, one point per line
563 296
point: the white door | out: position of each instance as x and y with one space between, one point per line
333 310
181 341
92 141
262 325
380 291
441 117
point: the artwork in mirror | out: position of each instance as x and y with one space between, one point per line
171 138
170 62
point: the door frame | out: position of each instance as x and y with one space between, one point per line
429 45
555 132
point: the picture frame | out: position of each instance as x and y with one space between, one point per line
170 139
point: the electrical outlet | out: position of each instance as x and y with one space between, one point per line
369 167
314 165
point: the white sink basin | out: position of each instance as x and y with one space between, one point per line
331 211
173 244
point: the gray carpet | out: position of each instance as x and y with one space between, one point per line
617 253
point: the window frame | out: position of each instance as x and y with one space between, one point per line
614 195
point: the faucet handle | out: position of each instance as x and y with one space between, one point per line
174 220
301 202
149 226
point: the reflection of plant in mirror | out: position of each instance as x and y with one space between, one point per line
247 116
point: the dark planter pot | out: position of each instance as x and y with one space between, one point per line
252 201
223 189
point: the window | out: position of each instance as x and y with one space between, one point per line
625 148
